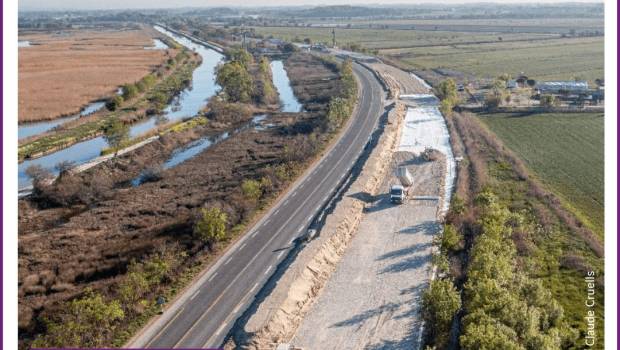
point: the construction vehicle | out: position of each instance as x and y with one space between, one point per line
399 193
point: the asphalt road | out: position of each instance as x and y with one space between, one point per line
202 316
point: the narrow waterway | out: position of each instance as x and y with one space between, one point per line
187 104
283 85
31 129
157 45
192 149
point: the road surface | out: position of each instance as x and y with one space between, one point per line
205 312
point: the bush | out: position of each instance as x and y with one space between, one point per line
114 103
151 174
440 303
548 101
211 226
450 239
251 189
129 91
87 322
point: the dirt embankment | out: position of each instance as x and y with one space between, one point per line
63 71
279 315
88 240
398 81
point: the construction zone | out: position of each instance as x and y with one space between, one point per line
358 284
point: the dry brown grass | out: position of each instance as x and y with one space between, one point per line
66 70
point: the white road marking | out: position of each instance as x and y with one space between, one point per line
267 271
280 255
243 245
194 295
254 233
276 212
271 239
212 276
253 288
228 260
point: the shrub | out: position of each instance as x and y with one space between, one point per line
130 91
251 189
548 101
211 226
87 322
151 174
450 239
114 103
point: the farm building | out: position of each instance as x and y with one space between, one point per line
562 86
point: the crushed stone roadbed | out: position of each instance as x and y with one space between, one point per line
372 299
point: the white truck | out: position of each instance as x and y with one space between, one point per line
399 193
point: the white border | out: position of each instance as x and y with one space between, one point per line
611 175
9 229
9 137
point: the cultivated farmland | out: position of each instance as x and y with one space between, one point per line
561 58
63 71
542 56
390 38
565 151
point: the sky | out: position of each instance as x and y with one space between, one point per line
129 4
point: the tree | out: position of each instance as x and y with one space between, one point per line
440 303
211 226
116 133
38 175
236 81
446 90
241 56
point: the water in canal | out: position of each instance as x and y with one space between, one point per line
283 85
194 148
188 104
157 45
31 129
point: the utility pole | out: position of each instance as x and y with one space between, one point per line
334 37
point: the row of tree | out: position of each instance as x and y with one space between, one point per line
503 308
341 107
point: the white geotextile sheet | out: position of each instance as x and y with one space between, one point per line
425 127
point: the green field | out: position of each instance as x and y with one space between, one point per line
481 54
563 58
565 151
390 38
